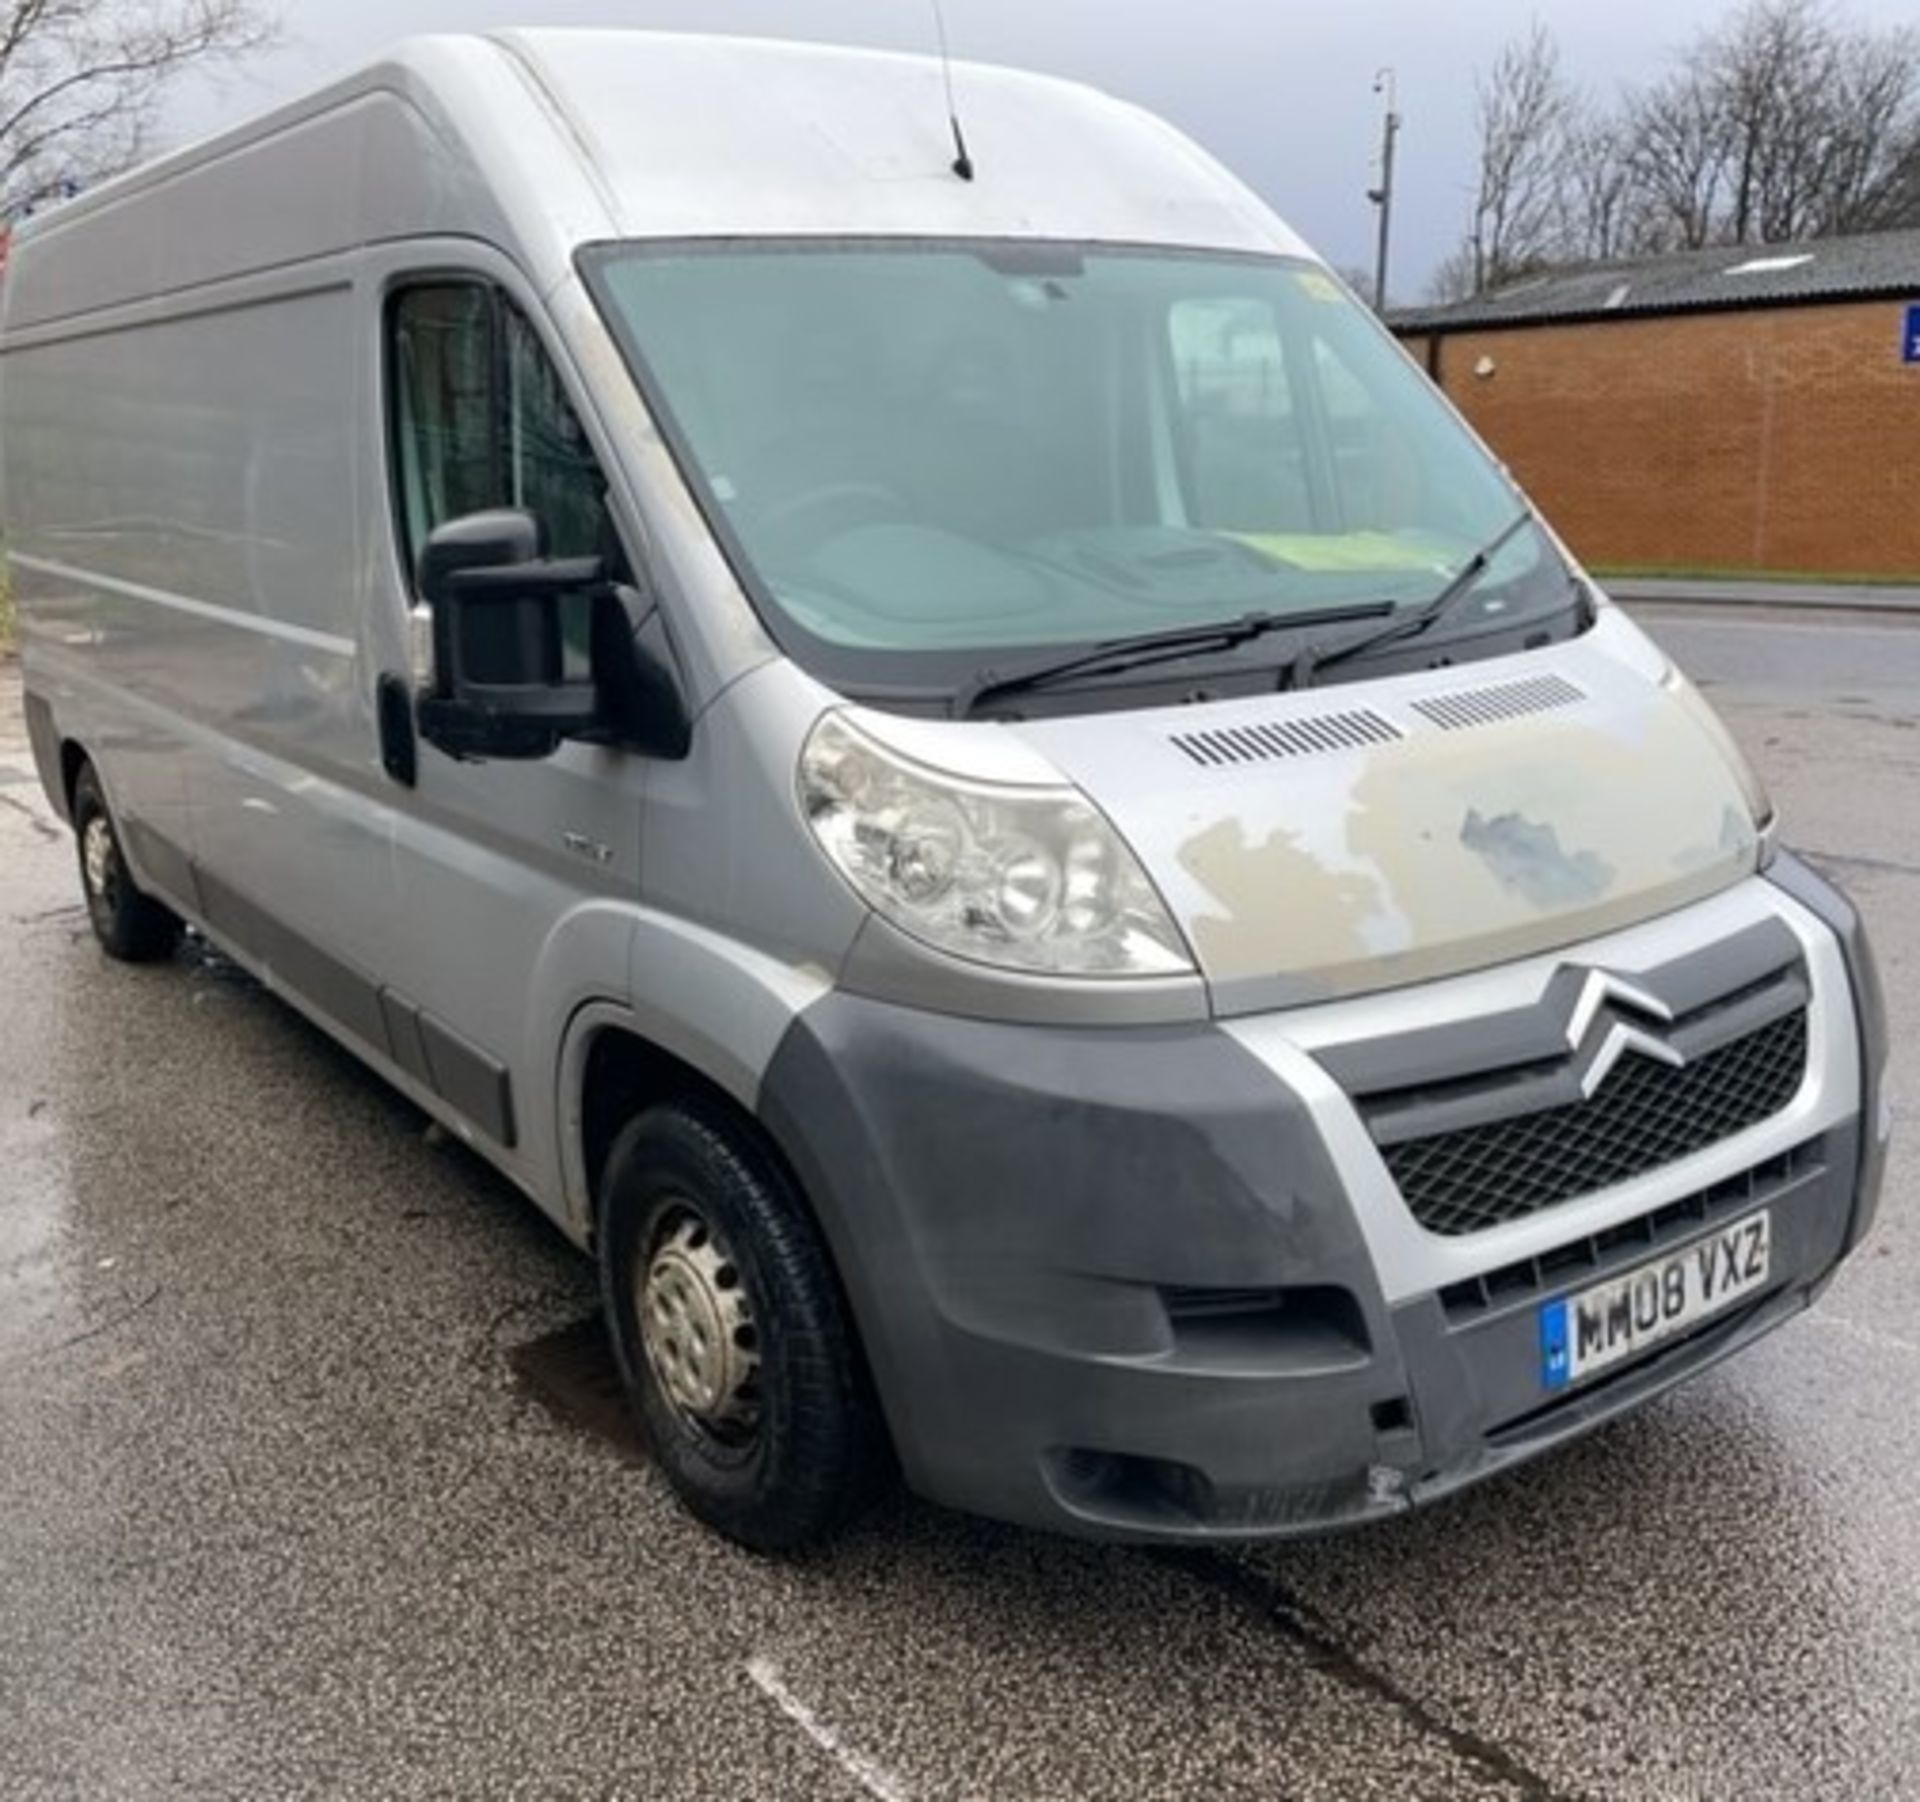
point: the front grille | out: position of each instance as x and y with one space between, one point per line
1646 1114
1595 1255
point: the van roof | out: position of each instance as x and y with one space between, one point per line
716 135
657 134
540 141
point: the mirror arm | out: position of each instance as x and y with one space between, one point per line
488 583
640 704
550 576
507 720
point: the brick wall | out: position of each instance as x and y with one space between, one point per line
1783 439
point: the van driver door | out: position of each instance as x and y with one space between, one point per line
495 863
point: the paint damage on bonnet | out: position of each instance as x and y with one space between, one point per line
1468 838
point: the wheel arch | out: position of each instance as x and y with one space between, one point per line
701 1013
74 757
75 754
611 1067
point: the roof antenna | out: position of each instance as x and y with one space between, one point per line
962 163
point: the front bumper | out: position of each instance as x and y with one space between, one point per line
1155 1282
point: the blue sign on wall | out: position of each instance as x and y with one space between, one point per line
1910 336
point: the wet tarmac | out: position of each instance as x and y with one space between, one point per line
313 1480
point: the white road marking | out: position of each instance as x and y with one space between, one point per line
871 1777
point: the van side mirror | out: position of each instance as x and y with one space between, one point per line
500 685
498 658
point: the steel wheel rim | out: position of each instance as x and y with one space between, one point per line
97 857
697 1327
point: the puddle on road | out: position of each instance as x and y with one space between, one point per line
572 1375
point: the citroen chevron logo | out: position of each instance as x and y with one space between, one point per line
1604 990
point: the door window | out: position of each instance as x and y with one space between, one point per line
481 419
550 469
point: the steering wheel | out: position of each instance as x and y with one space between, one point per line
832 508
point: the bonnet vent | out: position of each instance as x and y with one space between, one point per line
1467 707
1271 740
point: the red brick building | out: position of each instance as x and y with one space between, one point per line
1752 410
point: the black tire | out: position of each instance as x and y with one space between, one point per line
814 1450
130 925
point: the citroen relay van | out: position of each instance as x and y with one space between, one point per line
927 734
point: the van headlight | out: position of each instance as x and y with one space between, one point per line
1028 878
1700 711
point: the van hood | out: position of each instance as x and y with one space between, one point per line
1354 838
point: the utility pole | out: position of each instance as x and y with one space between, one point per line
1382 196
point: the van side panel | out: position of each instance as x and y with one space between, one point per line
282 192
188 482
205 456
180 449
272 204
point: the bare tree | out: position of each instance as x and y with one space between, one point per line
1599 205
1454 279
1901 203
1358 278
1768 76
81 82
1870 173
1782 122
1523 108
1675 151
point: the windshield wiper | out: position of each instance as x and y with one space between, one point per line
1316 657
1140 649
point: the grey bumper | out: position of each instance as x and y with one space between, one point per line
1111 1282
1819 896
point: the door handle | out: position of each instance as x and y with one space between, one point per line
399 749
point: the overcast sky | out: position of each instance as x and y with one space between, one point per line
1281 90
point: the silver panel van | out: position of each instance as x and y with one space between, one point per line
952 760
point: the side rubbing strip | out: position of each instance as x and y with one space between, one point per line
336 989
431 1052
468 1079
403 1036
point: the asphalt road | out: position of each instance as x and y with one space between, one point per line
309 1483
1846 661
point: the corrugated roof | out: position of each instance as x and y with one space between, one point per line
1881 263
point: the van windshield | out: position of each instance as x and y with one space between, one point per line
921 455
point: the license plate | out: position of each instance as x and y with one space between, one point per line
1593 1329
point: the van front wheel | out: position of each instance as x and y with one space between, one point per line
731 1332
129 924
